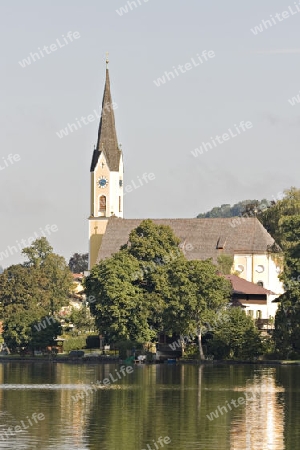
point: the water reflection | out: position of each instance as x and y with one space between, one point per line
153 401
261 426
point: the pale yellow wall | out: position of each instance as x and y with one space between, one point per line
269 277
112 191
97 191
97 229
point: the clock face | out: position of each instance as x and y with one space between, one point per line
102 182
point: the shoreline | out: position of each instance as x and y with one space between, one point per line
112 360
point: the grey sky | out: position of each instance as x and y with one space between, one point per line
250 78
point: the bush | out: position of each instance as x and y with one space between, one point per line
74 343
191 351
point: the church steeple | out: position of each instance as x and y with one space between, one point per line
106 175
107 136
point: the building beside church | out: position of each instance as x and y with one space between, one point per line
252 247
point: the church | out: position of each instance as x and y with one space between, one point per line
246 240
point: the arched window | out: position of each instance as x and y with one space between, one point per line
260 283
102 204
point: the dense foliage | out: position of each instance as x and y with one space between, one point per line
235 337
32 292
238 209
149 287
225 264
281 218
78 263
283 222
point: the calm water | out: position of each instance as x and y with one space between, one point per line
154 401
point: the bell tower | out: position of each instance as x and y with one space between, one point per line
106 175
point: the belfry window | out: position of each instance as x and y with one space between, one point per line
102 204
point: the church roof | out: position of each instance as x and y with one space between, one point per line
200 238
107 136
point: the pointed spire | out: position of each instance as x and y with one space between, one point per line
107 135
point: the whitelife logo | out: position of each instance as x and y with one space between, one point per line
244 126
161 441
224 409
105 382
47 50
278 17
294 100
11 250
195 62
132 5
71 127
9 160
146 177
11 431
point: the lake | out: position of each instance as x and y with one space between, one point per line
66 406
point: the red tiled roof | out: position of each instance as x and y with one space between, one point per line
241 286
77 275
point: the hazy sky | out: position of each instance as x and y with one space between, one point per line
250 78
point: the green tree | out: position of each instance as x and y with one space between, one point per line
82 318
54 275
18 320
283 222
273 217
193 294
22 286
149 287
249 207
43 336
32 291
37 253
125 306
287 331
120 309
287 321
78 263
225 263
235 337
153 243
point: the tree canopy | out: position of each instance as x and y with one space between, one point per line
283 222
192 294
32 291
238 339
78 263
244 206
149 286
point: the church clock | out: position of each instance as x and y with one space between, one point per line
102 182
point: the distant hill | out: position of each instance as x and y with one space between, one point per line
238 209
